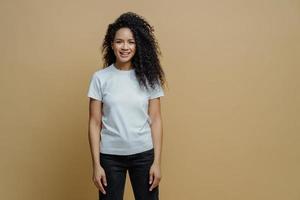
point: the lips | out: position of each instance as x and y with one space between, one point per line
124 54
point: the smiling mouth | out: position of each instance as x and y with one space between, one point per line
124 54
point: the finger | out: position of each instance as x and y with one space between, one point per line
101 187
104 180
150 178
152 187
96 183
155 183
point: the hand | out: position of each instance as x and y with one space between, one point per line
155 176
99 177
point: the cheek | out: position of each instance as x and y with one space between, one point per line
134 49
118 46
133 53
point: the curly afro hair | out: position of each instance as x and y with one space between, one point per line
145 61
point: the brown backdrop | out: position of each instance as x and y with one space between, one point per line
230 113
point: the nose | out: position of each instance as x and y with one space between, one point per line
125 45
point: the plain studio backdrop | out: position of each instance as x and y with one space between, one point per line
230 112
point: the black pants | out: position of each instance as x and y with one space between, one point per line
138 166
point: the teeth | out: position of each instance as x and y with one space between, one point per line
124 53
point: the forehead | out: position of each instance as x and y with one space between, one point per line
124 34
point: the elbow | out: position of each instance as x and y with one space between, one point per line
95 122
156 120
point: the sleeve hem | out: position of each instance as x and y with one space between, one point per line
156 96
95 97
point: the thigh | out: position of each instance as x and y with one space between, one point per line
139 176
115 171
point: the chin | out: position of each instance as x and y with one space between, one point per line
124 60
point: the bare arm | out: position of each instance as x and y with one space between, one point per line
156 131
95 116
156 128
95 123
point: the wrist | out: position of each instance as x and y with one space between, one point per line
156 162
96 165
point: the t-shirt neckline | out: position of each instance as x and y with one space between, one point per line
122 71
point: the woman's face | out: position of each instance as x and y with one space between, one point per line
124 45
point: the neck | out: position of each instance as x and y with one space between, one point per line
123 66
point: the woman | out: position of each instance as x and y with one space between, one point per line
124 108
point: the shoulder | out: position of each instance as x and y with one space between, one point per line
103 73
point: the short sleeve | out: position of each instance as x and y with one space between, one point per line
94 89
157 92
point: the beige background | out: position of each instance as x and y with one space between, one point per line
230 113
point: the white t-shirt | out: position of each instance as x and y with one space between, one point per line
125 120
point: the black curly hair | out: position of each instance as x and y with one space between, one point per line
145 61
